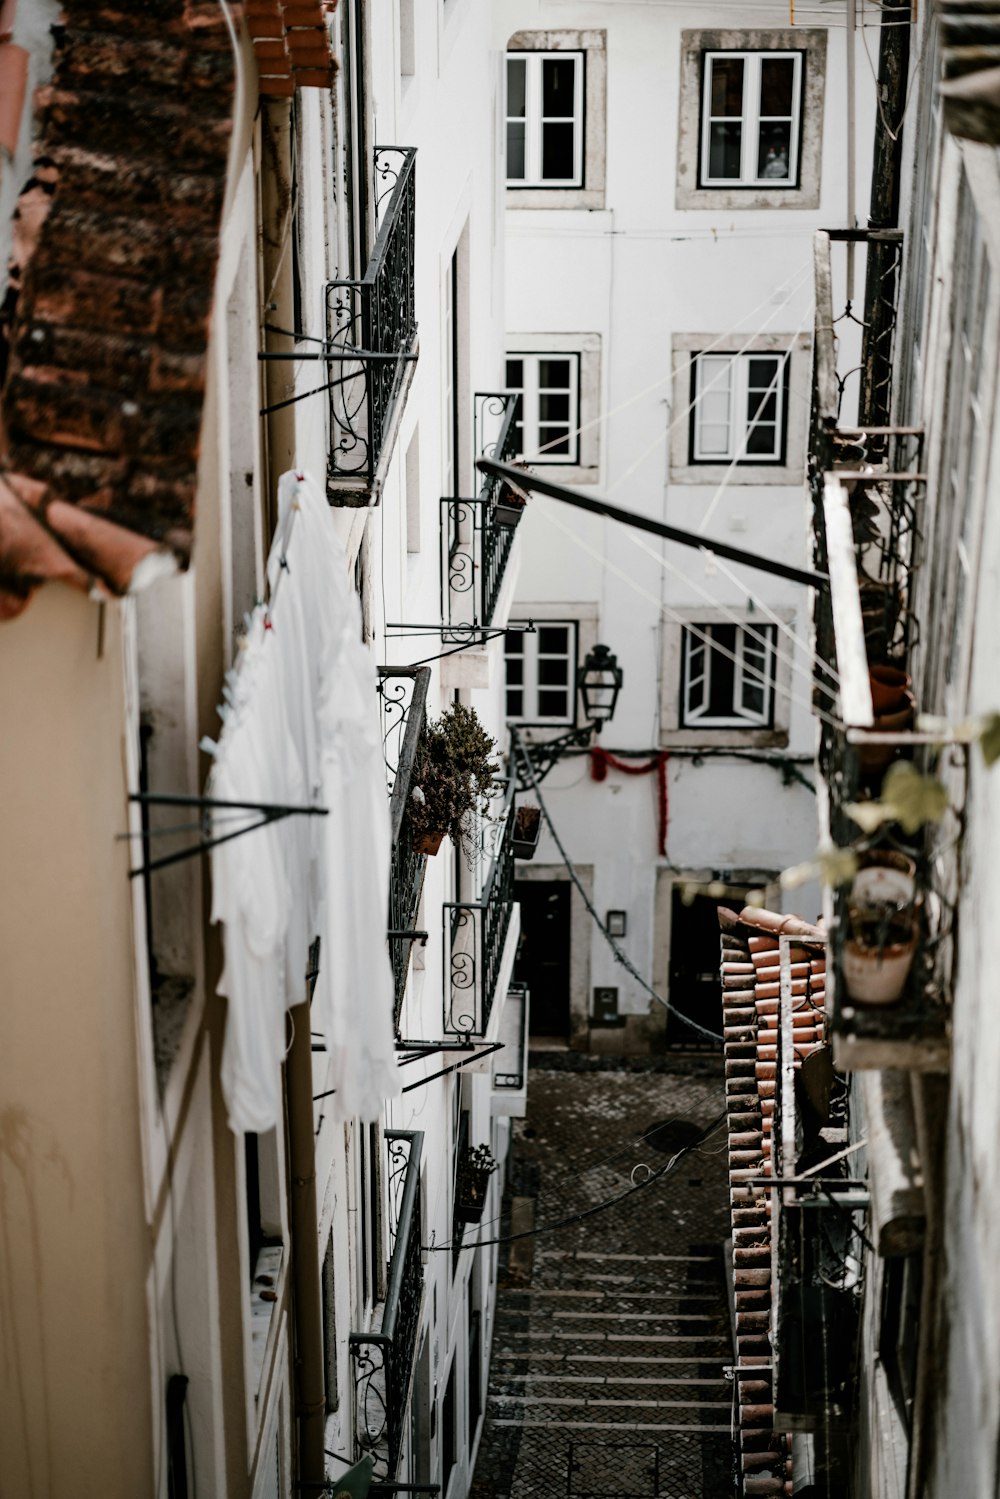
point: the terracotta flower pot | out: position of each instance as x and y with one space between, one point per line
428 843
877 975
889 687
877 756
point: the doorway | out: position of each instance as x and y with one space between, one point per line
695 984
542 963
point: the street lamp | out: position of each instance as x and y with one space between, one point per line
598 681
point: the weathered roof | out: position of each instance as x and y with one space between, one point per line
105 327
750 1001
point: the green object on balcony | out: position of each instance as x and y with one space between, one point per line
355 1483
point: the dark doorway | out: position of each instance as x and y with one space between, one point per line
695 986
543 953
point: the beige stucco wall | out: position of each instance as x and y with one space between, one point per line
74 1378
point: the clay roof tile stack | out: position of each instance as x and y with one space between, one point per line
750 999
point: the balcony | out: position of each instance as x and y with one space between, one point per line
476 548
382 1359
403 691
867 486
371 339
480 935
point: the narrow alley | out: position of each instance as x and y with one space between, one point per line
612 1332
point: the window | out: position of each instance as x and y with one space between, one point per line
727 676
738 411
548 413
545 119
750 131
751 110
541 674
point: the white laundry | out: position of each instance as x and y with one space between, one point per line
302 728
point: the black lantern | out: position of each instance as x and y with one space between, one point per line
599 681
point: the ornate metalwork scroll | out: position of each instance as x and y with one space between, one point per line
382 1360
374 317
403 696
475 549
475 934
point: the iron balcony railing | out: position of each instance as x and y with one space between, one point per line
475 547
403 691
382 1360
371 334
475 933
510 1064
874 472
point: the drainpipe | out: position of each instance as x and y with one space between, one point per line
310 1379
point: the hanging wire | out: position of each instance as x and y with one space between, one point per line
620 956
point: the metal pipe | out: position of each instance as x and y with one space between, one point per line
522 479
307 1302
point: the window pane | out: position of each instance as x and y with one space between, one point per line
763 408
557 152
513 643
554 407
553 671
727 86
553 704
714 408
777 79
515 671
774 149
515 149
723 671
553 640
762 441
515 374
553 373
761 373
515 704
557 87
713 441
515 87
724 147
553 442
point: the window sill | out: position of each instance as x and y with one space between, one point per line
266 1295
712 739
555 197
740 473
752 196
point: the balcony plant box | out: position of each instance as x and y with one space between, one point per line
452 775
509 508
883 928
475 1167
527 831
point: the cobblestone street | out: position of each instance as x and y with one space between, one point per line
612 1332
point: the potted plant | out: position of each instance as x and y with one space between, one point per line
510 503
452 775
527 831
883 928
472 1182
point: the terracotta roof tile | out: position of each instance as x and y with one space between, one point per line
750 999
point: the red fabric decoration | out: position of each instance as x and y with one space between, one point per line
600 762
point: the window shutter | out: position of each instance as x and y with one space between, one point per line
754 675
695 676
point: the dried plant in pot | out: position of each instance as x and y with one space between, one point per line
527 831
475 1167
453 774
510 502
883 926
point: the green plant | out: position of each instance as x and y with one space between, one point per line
452 775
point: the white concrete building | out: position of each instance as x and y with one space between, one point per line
667 166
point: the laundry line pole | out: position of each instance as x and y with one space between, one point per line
522 479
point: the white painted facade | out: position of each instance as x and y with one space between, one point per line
641 276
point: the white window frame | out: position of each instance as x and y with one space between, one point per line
730 373
530 393
698 641
751 120
530 685
534 120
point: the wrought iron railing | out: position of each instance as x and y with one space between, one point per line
881 466
510 1064
371 333
382 1360
403 690
475 548
475 933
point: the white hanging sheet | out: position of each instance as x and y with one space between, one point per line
301 727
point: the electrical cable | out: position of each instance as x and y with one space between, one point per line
620 956
597 1207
